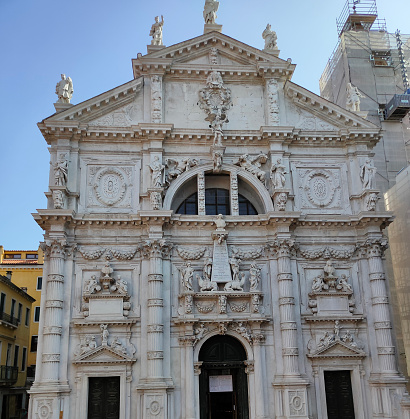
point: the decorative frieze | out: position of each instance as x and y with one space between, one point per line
253 165
191 253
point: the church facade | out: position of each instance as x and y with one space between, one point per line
213 247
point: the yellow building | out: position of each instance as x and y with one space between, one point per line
15 319
25 268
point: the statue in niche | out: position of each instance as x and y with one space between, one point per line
277 174
270 38
234 262
156 31
61 171
253 164
187 275
157 169
205 283
104 334
254 277
367 174
216 125
353 98
210 9
64 89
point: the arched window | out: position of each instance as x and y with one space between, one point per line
217 201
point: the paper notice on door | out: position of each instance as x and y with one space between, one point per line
220 383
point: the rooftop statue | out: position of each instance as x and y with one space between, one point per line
156 31
353 98
210 9
270 38
64 89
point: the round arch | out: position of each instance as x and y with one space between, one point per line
254 183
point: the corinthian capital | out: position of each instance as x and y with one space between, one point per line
54 248
374 247
282 247
156 248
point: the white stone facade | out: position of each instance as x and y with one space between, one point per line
134 289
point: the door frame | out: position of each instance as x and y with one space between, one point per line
358 391
248 363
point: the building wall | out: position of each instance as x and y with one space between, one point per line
25 274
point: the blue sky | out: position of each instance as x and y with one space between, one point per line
93 42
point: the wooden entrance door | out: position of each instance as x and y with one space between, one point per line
223 361
104 398
339 397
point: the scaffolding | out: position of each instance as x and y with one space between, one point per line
360 15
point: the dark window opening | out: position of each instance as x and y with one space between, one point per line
189 206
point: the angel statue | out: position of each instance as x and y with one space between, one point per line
270 38
156 31
64 89
210 9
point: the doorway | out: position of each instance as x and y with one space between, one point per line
104 398
223 383
339 396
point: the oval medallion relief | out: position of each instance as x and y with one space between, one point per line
320 188
110 186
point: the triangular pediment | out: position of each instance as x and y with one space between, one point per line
310 112
118 105
194 53
338 349
103 355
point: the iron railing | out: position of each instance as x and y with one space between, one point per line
9 319
8 375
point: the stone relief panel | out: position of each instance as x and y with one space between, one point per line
123 117
328 288
302 119
110 187
320 189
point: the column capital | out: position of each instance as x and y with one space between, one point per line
373 247
282 247
156 248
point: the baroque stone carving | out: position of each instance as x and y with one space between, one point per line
277 174
353 98
253 165
204 309
210 9
58 199
320 187
177 167
44 408
215 100
156 99
186 277
61 170
191 253
367 174
157 176
371 201
248 254
201 193
254 277
270 38
238 308
217 157
155 199
273 102
92 254
109 185
64 89
327 252
297 403
280 201
156 31
213 56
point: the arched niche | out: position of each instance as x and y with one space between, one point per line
249 186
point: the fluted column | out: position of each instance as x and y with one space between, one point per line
258 340
288 326
380 303
53 313
188 343
155 348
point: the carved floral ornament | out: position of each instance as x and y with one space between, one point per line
110 186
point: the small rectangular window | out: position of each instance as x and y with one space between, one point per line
13 307
34 342
37 314
20 309
27 322
2 302
39 283
24 359
16 356
31 256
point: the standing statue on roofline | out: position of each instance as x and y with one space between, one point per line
270 38
156 31
64 89
210 9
